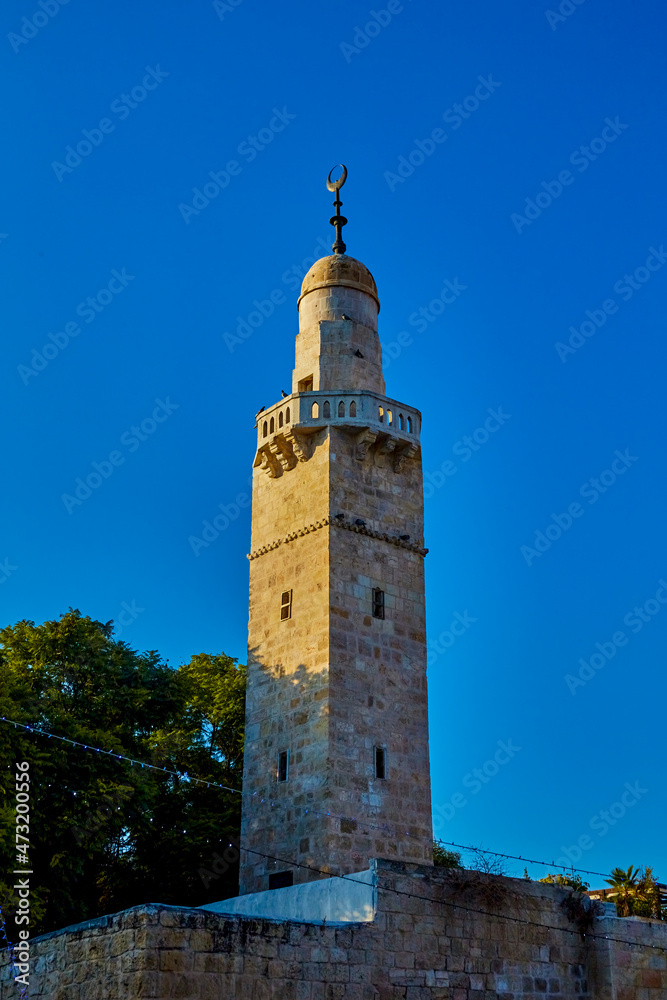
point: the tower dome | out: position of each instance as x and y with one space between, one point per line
339 270
337 346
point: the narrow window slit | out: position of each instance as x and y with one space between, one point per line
380 763
286 605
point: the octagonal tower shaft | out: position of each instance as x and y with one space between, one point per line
336 761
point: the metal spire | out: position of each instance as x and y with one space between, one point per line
338 220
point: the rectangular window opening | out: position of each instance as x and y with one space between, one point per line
378 603
286 605
306 384
380 763
280 880
283 765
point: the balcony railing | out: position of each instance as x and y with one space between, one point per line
308 411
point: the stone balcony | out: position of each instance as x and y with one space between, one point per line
374 421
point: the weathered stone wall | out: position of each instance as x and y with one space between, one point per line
415 949
378 666
629 971
332 681
288 684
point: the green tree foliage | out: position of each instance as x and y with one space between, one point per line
636 893
442 858
572 880
104 834
654 900
626 889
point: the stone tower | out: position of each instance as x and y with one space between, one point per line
336 760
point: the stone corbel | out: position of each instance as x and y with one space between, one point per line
283 453
387 446
402 455
363 442
299 445
268 462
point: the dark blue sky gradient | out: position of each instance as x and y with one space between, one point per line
161 337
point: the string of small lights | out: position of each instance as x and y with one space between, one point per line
236 791
519 857
348 878
456 906
119 756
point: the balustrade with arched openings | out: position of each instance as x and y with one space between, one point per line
342 409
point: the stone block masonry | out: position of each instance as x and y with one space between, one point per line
417 948
334 684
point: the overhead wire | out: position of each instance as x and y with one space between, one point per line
348 878
213 784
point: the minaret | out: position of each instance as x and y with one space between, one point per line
336 757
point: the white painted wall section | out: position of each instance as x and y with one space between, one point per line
350 899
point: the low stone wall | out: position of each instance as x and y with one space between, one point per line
429 941
629 971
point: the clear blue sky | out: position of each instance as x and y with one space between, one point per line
317 91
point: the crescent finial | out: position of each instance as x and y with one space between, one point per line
336 185
338 220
